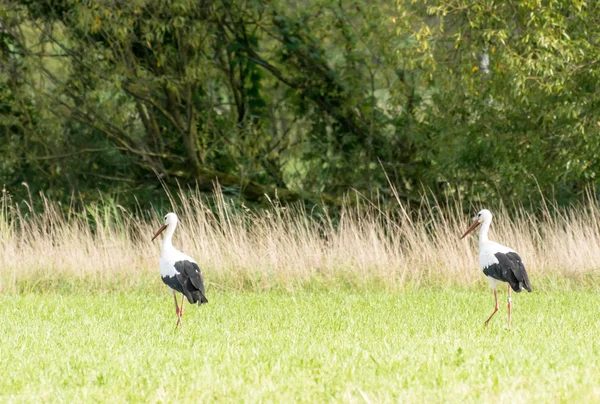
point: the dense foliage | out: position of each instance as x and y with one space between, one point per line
303 99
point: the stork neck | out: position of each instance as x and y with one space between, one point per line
168 239
483 232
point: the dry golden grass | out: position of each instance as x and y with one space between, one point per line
287 246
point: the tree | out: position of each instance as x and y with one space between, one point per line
525 118
254 94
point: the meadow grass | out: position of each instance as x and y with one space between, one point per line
105 246
418 345
378 304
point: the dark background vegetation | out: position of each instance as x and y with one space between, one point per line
300 99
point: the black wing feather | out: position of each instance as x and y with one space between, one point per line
510 269
191 281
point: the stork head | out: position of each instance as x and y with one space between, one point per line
483 216
170 220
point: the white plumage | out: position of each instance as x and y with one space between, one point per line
170 255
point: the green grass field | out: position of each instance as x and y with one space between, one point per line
421 345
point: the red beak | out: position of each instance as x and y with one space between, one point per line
473 226
164 226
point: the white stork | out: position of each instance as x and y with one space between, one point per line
498 262
179 271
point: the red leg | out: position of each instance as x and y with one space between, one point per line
181 309
178 311
509 304
495 308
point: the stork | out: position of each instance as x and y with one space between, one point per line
498 262
179 271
